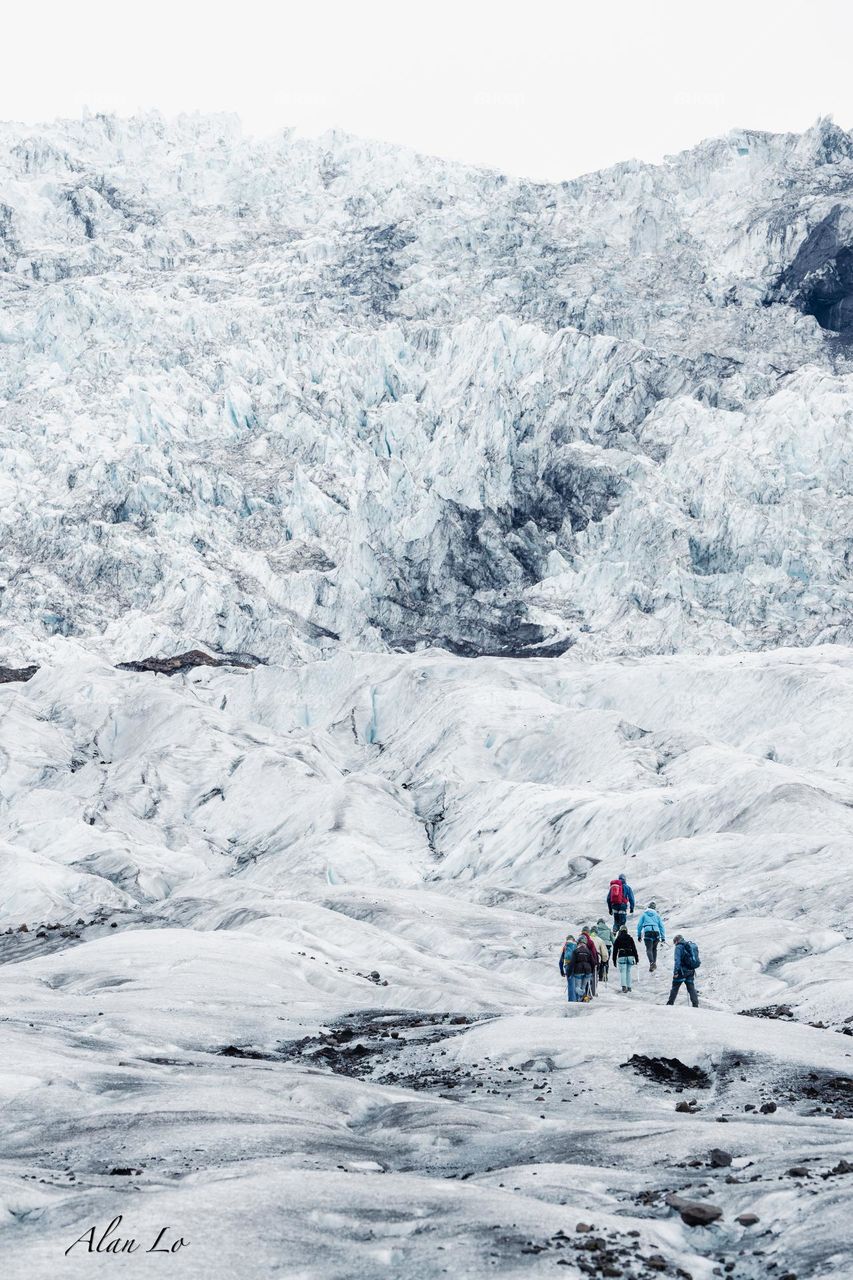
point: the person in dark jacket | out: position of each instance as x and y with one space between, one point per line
592 946
625 955
683 972
581 967
565 956
620 912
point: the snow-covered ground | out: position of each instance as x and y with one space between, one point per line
358 873
519 517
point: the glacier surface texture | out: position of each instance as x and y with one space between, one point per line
393 552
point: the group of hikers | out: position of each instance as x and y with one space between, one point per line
585 959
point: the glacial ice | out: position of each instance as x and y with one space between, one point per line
534 504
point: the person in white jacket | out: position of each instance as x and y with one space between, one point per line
651 930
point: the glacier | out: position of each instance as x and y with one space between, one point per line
501 534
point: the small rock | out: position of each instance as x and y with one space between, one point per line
583 1226
747 1219
694 1213
798 1171
719 1159
113 925
767 1108
656 1262
843 1166
22 928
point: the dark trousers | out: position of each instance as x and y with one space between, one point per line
620 915
691 991
651 940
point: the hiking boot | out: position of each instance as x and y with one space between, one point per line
624 989
652 968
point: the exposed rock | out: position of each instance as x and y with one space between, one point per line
183 662
671 1071
695 1213
719 1159
9 675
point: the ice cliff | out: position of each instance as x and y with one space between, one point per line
277 395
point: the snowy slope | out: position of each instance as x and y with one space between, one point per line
525 510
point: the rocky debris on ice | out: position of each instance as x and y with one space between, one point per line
181 663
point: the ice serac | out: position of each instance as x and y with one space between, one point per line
280 395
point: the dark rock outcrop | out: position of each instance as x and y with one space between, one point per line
9 675
183 662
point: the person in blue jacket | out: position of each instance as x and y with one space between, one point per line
651 931
619 913
683 972
565 956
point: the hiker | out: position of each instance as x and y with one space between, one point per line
603 954
605 933
625 955
651 931
620 898
581 968
595 958
565 956
686 962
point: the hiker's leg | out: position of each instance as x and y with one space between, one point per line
571 989
650 947
655 940
676 986
690 984
629 972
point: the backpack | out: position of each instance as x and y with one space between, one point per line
617 894
692 952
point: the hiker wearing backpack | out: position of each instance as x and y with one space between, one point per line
625 955
595 957
605 933
566 952
620 899
603 954
651 931
686 962
581 968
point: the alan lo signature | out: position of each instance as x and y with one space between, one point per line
109 1241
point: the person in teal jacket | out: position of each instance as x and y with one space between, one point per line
651 930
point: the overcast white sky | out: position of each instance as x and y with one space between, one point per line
534 87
